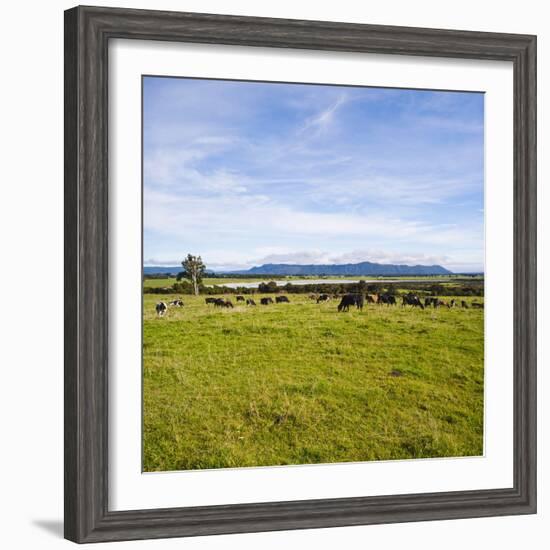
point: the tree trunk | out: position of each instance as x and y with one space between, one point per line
195 285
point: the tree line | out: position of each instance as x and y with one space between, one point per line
190 281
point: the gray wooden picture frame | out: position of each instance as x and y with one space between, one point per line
87 34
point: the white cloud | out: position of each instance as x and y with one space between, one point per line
173 214
322 120
244 222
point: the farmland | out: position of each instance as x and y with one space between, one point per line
301 383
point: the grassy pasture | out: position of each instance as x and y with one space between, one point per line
301 383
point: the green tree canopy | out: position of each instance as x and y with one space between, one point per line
193 271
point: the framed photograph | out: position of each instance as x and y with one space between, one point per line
300 274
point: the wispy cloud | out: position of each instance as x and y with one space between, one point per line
322 120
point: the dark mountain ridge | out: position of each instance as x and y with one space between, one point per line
362 268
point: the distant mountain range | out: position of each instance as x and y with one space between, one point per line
166 270
362 268
160 270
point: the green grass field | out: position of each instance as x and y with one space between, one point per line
301 383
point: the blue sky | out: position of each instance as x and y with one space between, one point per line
245 173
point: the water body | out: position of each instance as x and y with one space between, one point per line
297 282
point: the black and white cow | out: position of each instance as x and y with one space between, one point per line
411 299
161 308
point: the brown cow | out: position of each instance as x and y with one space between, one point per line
372 298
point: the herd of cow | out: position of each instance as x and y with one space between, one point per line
409 299
346 301
222 302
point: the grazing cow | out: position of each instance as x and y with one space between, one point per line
346 301
430 301
351 300
464 304
452 303
412 300
219 302
240 298
387 299
250 302
228 304
323 298
266 301
176 303
282 299
477 305
161 308
210 300
436 302
313 297
372 298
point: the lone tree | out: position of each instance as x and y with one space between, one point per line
193 270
